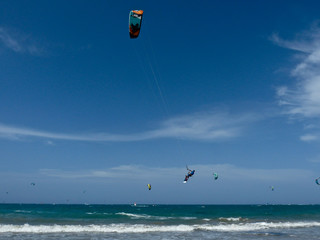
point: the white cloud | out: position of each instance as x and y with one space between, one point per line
200 126
303 100
19 42
309 137
299 44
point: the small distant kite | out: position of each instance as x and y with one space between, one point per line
135 19
317 181
32 184
272 188
149 186
215 175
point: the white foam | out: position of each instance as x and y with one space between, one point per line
257 226
22 211
96 213
142 228
134 215
187 218
232 219
112 228
144 216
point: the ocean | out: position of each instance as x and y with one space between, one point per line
142 221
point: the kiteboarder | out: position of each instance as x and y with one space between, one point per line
189 174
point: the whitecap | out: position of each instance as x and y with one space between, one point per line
143 228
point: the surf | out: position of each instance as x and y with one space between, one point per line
145 228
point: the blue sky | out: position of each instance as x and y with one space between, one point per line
92 116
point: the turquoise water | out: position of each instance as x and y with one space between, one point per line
28 221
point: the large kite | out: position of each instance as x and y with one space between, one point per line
135 19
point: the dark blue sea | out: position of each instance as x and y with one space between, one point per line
104 222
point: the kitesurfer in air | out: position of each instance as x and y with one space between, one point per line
189 174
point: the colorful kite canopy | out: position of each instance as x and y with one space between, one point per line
215 175
135 19
149 186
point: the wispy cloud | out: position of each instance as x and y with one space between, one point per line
200 126
309 137
18 42
302 99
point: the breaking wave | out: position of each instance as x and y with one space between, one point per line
144 228
145 216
